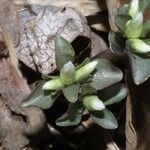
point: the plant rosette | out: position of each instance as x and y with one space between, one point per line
133 38
91 85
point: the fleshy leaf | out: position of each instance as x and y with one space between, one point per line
85 71
105 119
53 85
138 45
67 73
116 41
133 8
140 67
71 92
93 103
106 75
134 27
63 52
122 17
72 116
40 98
87 89
113 94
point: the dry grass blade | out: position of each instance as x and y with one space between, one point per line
12 51
131 136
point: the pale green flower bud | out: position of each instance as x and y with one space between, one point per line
134 27
84 72
138 46
93 103
54 84
133 8
67 73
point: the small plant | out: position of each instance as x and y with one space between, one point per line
90 86
133 38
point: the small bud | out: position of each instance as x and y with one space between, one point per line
133 8
84 72
138 46
55 84
134 27
67 74
93 103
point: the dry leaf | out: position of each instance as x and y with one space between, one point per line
113 6
131 135
98 44
39 29
12 51
87 7
9 20
13 127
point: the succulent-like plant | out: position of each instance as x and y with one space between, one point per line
89 86
133 38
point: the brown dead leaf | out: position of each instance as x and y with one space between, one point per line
12 51
13 127
113 6
9 20
86 7
98 44
39 29
131 135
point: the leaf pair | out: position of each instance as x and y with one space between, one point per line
104 118
108 96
